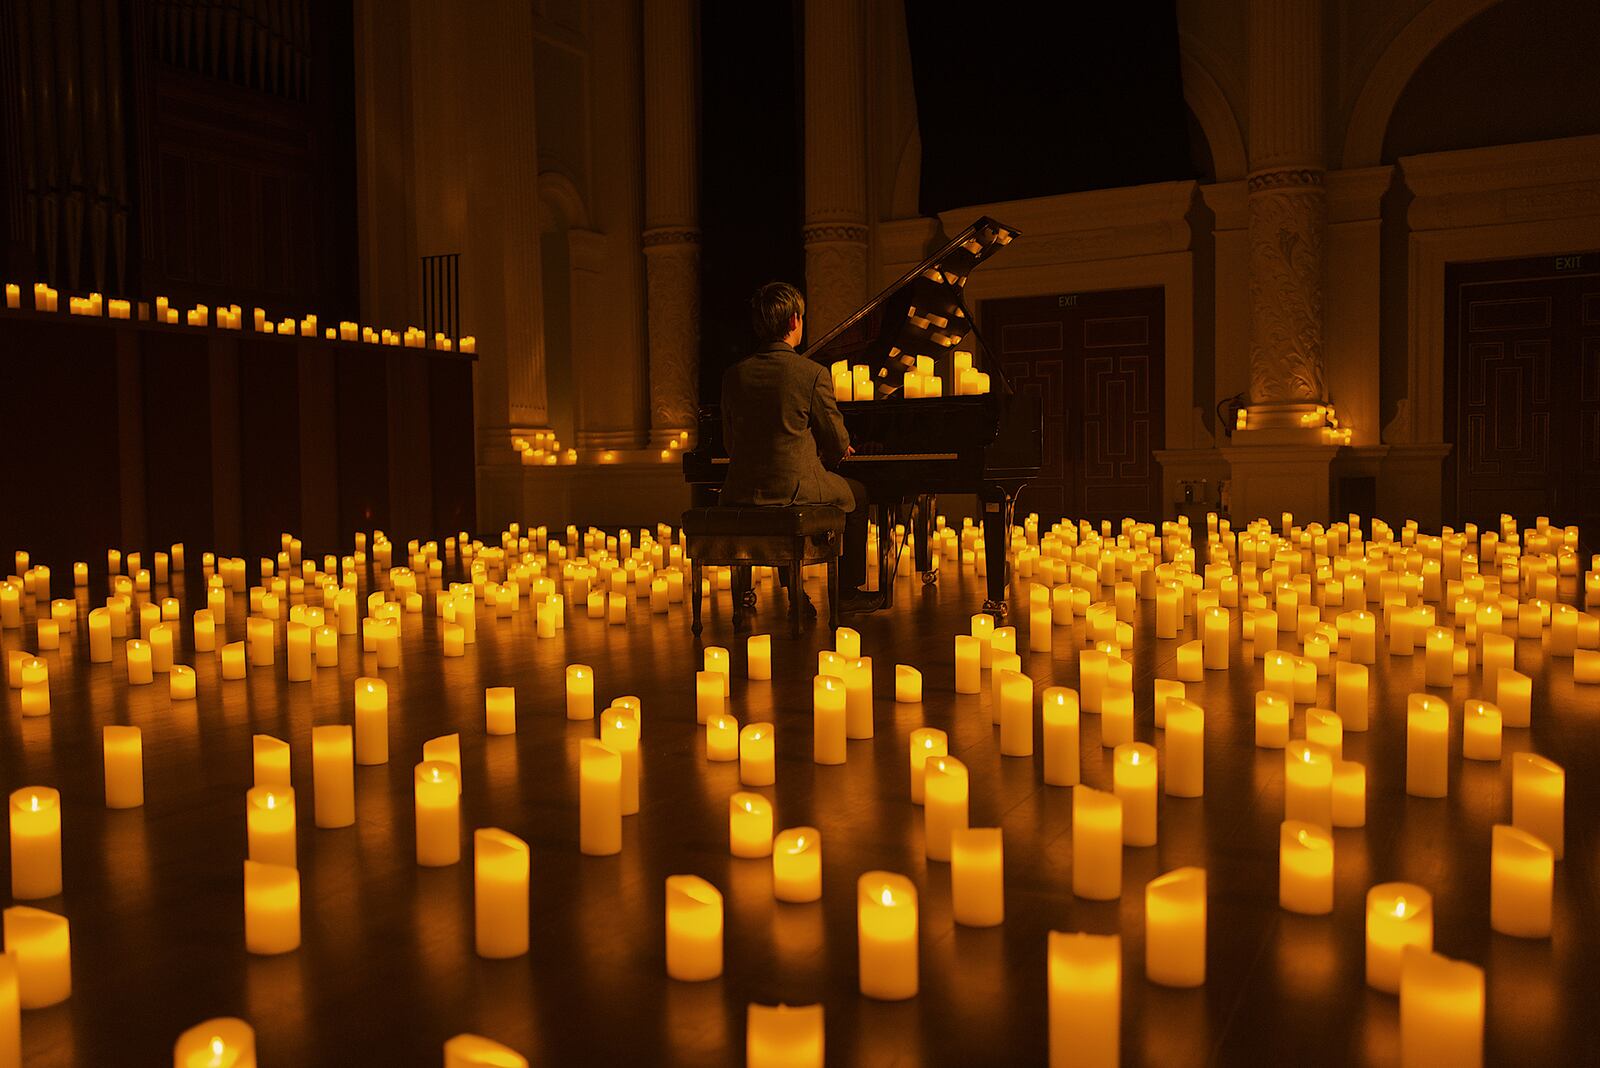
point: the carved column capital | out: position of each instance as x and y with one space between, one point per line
1288 215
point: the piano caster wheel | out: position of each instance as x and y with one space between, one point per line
997 609
930 577
750 599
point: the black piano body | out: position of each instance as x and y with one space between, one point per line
910 450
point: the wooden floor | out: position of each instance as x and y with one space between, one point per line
387 970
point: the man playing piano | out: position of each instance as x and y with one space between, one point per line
784 435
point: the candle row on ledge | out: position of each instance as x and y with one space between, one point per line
231 317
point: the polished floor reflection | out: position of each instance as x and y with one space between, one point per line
387 972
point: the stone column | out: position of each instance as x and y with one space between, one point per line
1288 210
835 230
672 216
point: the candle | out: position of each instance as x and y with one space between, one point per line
1215 639
35 843
1439 657
858 698
1398 915
1305 868
1116 714
123 751
327 646
828 720
977 885
1427 746
270 825
907 684
260 634
847 643
333 775
1279 671
1480 731
1175 928
233 661
1191 662
944 809
372 721
140 670
797 865
500 866
1349 794
34 675
1272 719
100 636
1061 760
749 825
500 710
1350 695
1039 632
1096 844
694 929
41 943
1514 697
1085 975
271 908
1185 748
926 742
783 1036
271 760
599 799
758 656
220 1043
1538 798
1134 783
1016 714
437 790
1441 1011
708 696
1169 613
983 631
1166 690
1324 728
968 662
717 660
580 691
1091 678
1308 783
886 926
1522 871
722 738
619 731
757 755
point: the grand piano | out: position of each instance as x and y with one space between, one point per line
910 449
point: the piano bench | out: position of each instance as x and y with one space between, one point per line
787 538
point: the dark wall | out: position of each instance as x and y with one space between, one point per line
1025 100
752 194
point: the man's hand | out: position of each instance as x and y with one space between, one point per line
849 451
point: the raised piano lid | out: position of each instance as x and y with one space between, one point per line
923 313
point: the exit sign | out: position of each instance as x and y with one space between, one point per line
1569 263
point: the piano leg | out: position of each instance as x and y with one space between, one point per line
923 526
996 505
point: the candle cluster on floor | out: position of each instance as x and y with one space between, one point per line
1308 611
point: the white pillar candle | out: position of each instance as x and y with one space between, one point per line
1308 783
580 691
372 721
500 863
828 720
797 865
1134 783
41 944
758 656
926 742
1538 800
977 883
1165 690
907 684
1016 714
1062 764
983 631
500 710
1349 794
1441 1011
858 698
599 799
333 775
1116 715
270 825
1096 844
1522 873
1480 731
757 765
271 908
717 660
619 732
35 843
437 795
100 636
708 696
269 760
1085 996
1175 928
722 738
749 825
1427 746
140 671
1350 695
1273 712
1191 662
1184 757
944 808
1305 868
1215 639
1091 679
694 929
1514 697
225 1042
968 662
886 935
847 643
1398 915
124 766
783 1036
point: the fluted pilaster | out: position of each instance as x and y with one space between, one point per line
672 215
835 230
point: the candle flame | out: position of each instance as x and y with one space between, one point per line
218 1048
886 896
272 802
33 799
1400 907
749 807
1133 756
799 844
1311 841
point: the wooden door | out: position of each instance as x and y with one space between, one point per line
1522 390
1096 362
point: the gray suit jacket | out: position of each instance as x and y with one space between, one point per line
782 431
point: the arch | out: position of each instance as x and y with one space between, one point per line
1212 110
1369 118
561 206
